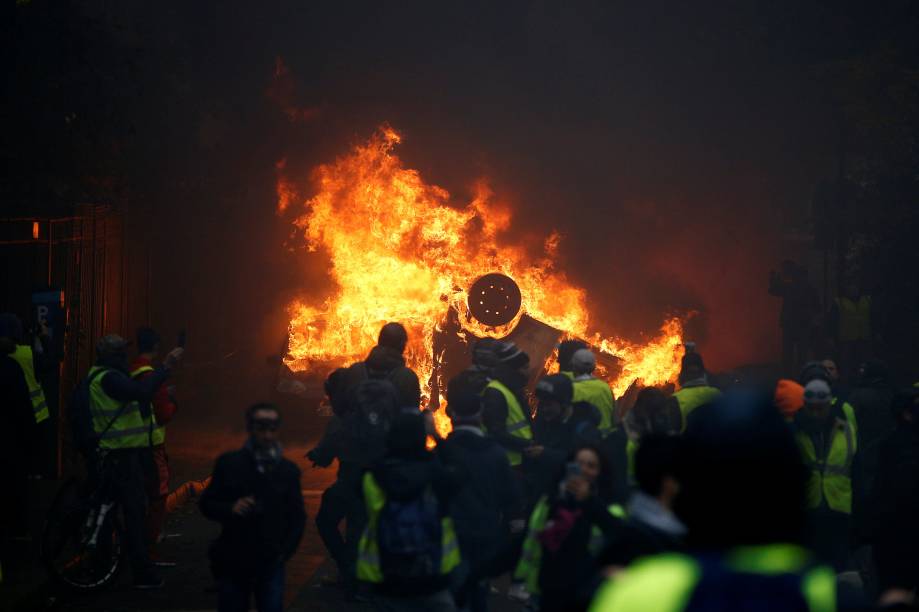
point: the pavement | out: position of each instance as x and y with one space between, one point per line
190 586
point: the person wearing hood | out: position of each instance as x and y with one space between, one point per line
409 548
505 410
255 495
827 436
483 506
387 361
695 390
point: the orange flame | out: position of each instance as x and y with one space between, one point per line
400 252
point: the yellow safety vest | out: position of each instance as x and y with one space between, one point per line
517 424
598 394
831 477
527 570
158 433
690 398
369 568
665 582
23 356
128 430
854 318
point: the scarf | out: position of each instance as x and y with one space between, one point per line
266 459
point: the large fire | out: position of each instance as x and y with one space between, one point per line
399 251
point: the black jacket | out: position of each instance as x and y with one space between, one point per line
268 536
894 508
565 575
391 364
482 506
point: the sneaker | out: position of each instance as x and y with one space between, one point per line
148 580
149 584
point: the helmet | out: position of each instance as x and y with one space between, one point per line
111 344
583 361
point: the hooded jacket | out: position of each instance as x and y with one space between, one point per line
385 362
482 507
404 479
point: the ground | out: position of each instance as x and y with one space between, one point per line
189 586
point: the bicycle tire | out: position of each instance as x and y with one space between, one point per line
63 527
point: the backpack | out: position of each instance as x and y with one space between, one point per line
410 539
80 417
372 404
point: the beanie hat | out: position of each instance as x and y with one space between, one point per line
566 351
555 386
464 403
510 355
789 397
817 392
583 361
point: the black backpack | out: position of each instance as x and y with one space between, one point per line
409 534
372 405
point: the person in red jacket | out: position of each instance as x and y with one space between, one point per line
164 408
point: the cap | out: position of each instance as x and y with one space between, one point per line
111 343
555 386
817 392
583 361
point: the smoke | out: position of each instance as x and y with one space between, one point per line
665 144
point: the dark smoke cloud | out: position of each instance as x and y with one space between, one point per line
664 141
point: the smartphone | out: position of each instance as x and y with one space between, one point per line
181 341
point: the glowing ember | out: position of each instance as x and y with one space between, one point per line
400 252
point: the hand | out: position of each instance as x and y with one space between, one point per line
532 452
243 506
174 356
578 487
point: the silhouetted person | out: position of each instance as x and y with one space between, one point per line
799 309
741 497
695 390
255 495
483 506
851 317
894 504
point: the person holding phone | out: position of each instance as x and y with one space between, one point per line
567 530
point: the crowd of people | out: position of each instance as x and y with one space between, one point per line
802 494
748 496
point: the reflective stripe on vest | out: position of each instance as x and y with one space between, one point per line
369 568
690 398
517 424
854 318
831 477
23 356
665 582
128 430
598 394
158 435
527 570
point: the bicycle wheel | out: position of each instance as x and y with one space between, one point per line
81 546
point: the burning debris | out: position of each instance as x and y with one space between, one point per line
400 252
